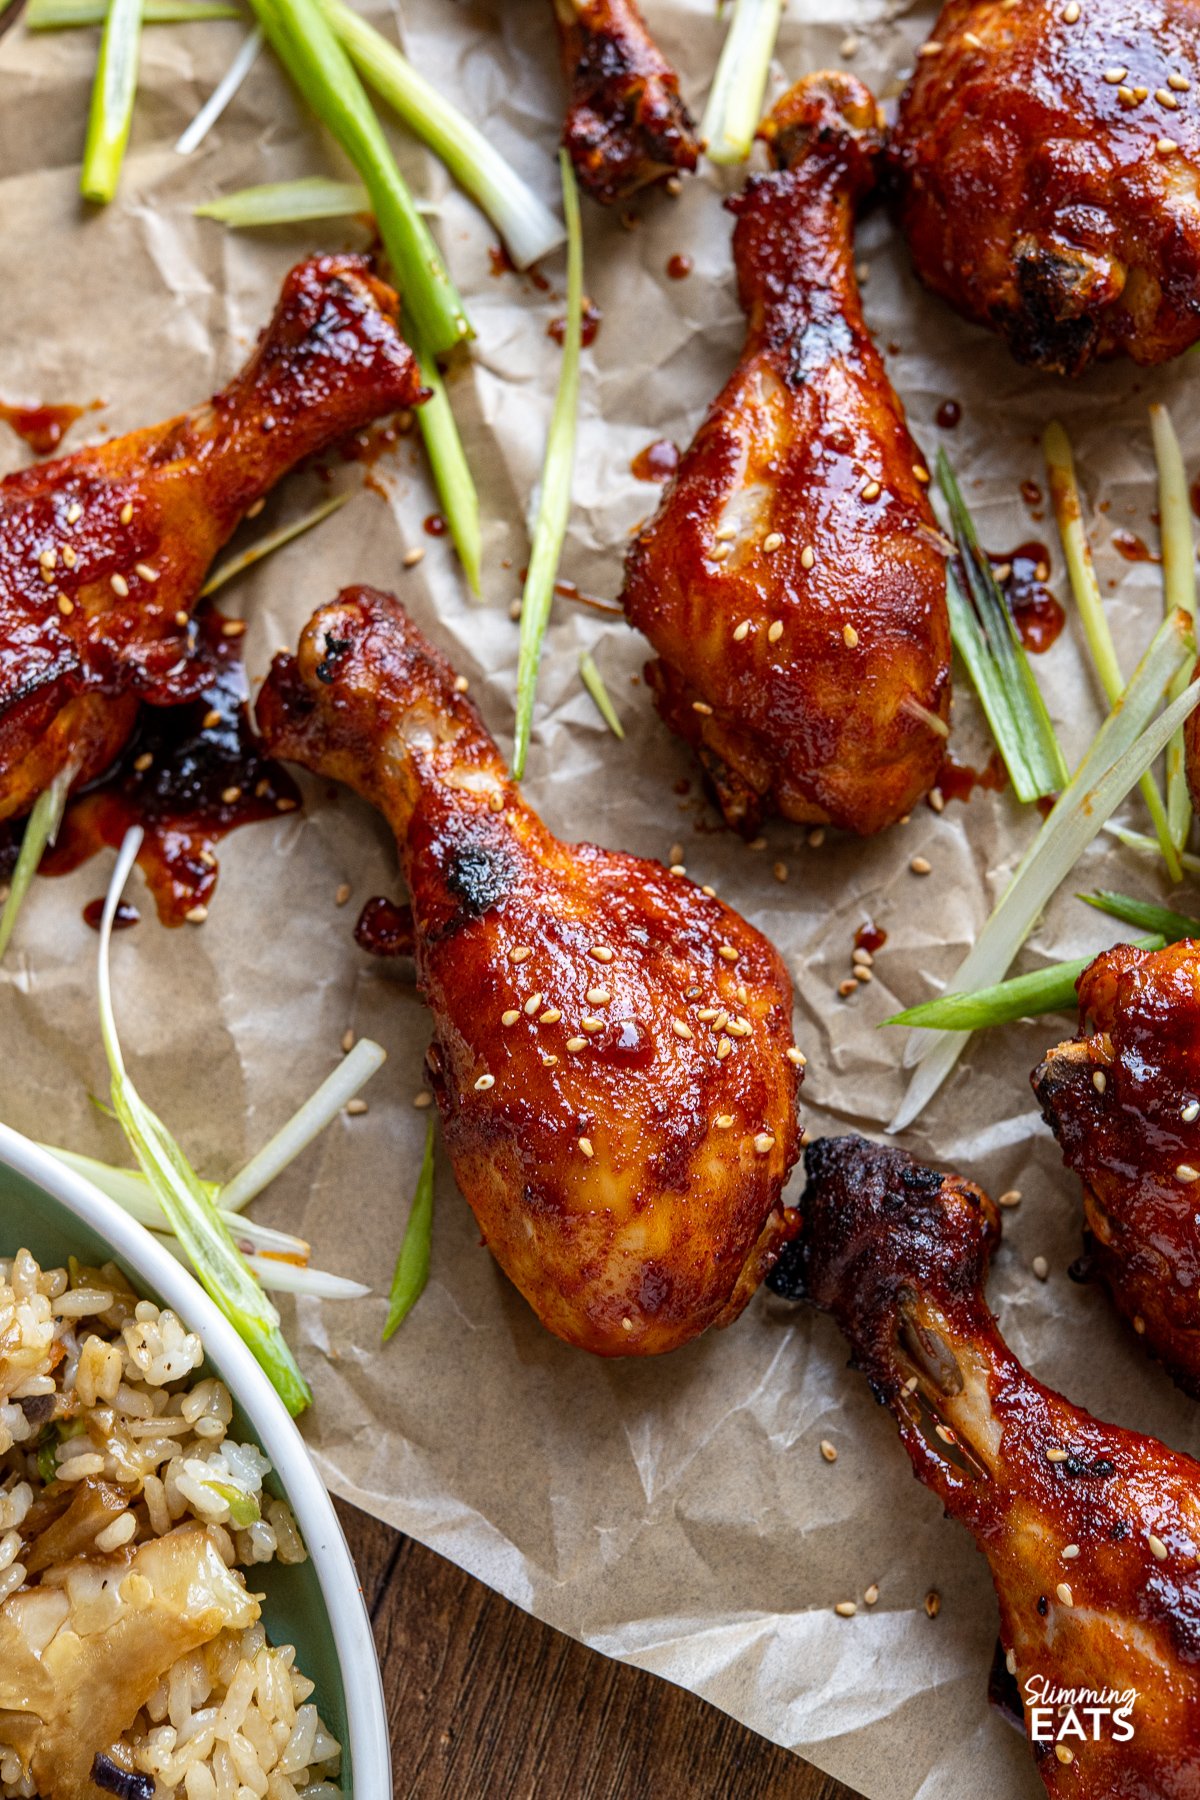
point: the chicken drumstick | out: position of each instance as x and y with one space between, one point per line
103 553
612 1051
1046 158
792 581
1092 1533
1124 1104
627 126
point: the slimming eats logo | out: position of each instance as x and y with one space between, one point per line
1058 1715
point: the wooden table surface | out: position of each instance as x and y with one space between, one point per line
485 1703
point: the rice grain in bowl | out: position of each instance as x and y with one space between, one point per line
139 1528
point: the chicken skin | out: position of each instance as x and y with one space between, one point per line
1123 1100
1046 160
792 581
627 126
103 553
612 1051
1092 1533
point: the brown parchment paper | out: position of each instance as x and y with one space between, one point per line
677 1514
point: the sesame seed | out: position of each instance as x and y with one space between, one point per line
796 1057
356 1108
676 869
230 795
703 708
743 994
510 1016
1125 96
548 1061
764 1143
862 955
828 1451
724 1048
772 542
348 1039
849 637
675 854
911 1385
932 48
808 557
146 572
1010 1197
872 491
937 799
208 859
1070 1552
1071 12
921 473
871 1595
725 534
723 1121
412 557
1158 1549
720 553
461 684
551 1016
1010 1661
1064 1593
1190 1111
1180 83
921 866
1186 1173
1055 1454
774 631
585 1144
126 513
211 720
1064 1753
602 953
75 512
863 974
576 1043
143 762
845 1609
707 1014
681 1028
484 1083
1099 1080
972 42
741 632
496 803
862 273
181 617
1115 76
1166 98
727 953
598 996
758 843
119 585
532 1004
591 1026
738 1028
65 606
520 953
1139 1324
1040 1267
720 1020
933 1603
816 838
48 559
1166 146
847 987
196 915
626 1324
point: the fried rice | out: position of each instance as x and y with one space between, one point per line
133 1660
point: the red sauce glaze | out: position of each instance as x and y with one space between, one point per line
123 918
958 781
435 525
207 775
592 320
502 263
679 267
1022 574
870 936
1133 548
1031 493
43 428
657 462
948 414
376 441
385 929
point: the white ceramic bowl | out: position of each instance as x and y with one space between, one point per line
316 1605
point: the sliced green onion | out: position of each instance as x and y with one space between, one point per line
1020 997
1179 590
1172 925
244 1509
1126 744
41 829
554 502
593 681
528 227
274 540
194 135
113 91
288 203
65 15
197 1224
302 38
1068 512
412 1264
1148 846
452 476
351 1074
990 646
735 100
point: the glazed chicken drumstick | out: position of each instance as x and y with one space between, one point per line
627 126
1091 1533
103 553
1123 1100
612 1051
1046 158
792 582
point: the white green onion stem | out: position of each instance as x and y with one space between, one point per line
351 1074
1068 512
274 540
412 1264
554 501
194 1219
1148 846
66 15
528 227
222 94
113 91
1126 744
1179 590
287 202
593 681
301 36
41 829
735 100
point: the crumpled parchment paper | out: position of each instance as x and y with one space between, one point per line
677 1513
